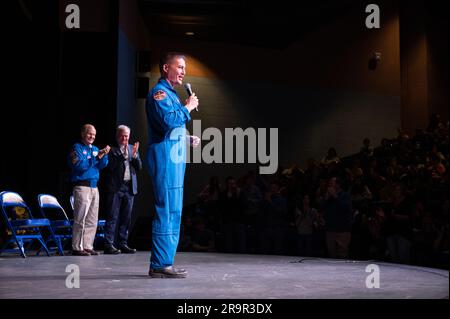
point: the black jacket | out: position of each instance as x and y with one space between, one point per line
113 174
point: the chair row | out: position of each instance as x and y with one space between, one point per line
24 230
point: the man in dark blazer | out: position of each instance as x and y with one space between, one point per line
120 188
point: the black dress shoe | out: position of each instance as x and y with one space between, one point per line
80 253
91 252
167 272
111 250
127 250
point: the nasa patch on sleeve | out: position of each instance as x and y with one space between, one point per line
159 95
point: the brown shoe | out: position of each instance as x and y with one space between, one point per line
91 252
167 272
80 253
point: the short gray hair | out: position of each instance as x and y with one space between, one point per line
121 128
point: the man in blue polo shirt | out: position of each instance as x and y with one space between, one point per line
166 117
86 161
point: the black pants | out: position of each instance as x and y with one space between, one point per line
119 206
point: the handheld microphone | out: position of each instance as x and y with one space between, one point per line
188 88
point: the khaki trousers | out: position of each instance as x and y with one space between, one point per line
85 217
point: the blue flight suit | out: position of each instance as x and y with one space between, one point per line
166 118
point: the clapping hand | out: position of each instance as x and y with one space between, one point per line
104 151
135 149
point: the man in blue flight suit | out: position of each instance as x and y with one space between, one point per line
166 117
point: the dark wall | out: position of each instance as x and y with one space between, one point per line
438 32
130 111
29 100
88 93
424 63
60 80
18 95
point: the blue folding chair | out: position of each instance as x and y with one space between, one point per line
25 229
59 221
100 234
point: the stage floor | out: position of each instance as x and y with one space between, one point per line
214 276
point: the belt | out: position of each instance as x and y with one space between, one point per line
82 183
